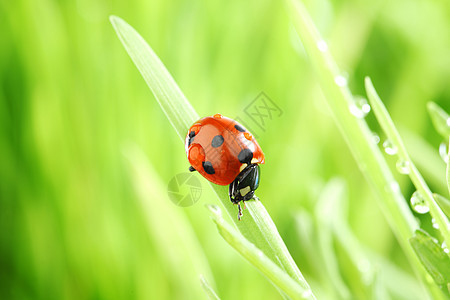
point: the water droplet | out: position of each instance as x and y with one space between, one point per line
448 122
375 138
418 203
434 223
322 46
340 80
389 148
402 166
443 152
215 209
359 108
444 246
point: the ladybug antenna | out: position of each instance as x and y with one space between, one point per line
240 212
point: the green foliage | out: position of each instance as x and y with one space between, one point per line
87 155
443 202
256 257
440 119
257 227
433 258
210 293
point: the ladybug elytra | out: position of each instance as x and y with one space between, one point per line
225 153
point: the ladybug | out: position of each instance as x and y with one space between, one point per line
225 153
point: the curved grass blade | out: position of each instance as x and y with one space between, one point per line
433 258
389 128
256 257
256 226
440 119
359 139
444 203
209 291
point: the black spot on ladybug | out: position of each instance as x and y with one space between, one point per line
207 166
239 128
217 141
191 139
245 156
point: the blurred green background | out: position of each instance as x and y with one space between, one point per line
86 153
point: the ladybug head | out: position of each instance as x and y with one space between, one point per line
244 186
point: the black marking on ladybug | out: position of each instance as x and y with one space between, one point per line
191 169
191 137
245 156
217 141
207 166
191 140
239 128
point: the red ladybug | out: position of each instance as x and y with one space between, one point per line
224 152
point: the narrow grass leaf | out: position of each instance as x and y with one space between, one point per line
209 291
440 119
447 171
359 137
187 259
325 211
443 202
256 257
388 126
256 225
178 110
433 257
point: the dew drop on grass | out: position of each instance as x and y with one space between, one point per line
322 46
215 210
434 223
359 108
444 247
340 80
375 138
443 152
402 166
389 147
418 203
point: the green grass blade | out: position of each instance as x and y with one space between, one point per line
187 259
178 110
443 202
389 128
440 119
209 291
359 138
433 258
256 225
256 257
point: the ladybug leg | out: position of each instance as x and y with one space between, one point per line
233 192
191 169
240 212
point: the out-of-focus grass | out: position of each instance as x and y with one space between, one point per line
71 223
